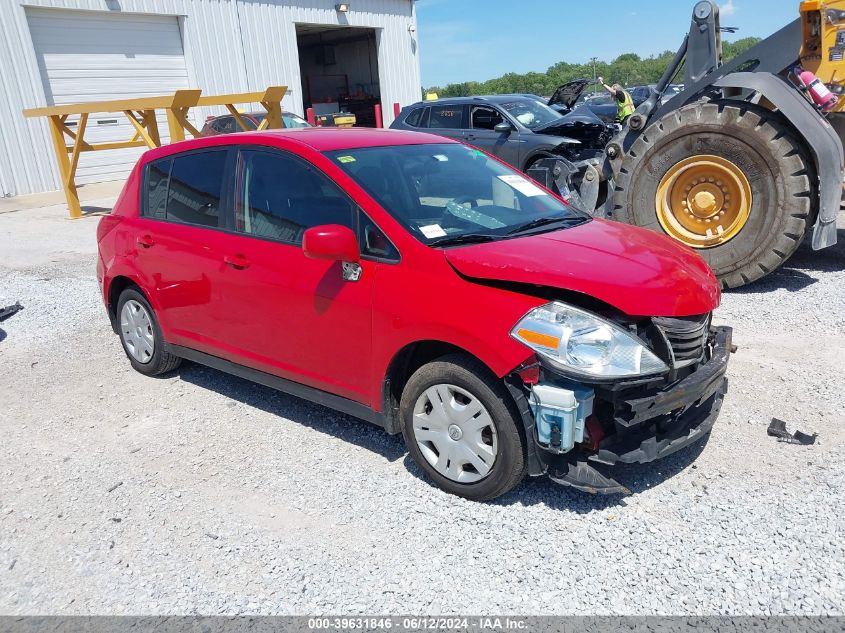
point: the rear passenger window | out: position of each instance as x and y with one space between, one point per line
195 189
446 117
281 196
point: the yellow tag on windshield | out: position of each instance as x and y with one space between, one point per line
346 159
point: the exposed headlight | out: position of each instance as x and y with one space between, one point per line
584 344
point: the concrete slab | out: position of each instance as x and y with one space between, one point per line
88 194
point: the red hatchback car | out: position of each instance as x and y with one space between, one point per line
423 286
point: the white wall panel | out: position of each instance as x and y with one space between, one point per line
229 46
88 56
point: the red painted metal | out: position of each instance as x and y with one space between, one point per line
641 273
332 242
309 115
266 305
379 118
396 110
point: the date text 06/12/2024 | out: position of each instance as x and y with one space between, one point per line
484 623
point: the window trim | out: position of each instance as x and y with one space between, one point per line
421 110
143 212
374 258
237 186
488 107
231 194
226 217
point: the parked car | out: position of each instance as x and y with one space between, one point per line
570 97
226 124
518 129
424 286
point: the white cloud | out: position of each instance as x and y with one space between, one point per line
727 9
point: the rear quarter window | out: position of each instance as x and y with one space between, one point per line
414 118
155 194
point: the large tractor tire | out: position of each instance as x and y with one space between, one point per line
727 178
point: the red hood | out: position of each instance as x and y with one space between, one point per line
639 272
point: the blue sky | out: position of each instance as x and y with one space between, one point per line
466 40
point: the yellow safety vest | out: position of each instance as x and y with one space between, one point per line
625 108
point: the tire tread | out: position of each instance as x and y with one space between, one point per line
777 140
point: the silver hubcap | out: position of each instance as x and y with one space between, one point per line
137 331
455 433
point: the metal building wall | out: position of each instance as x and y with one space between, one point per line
229 45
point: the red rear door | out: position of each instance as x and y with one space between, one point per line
180 243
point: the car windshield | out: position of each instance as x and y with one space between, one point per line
448 194
530 112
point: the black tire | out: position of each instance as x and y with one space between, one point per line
534 160
762 146
465 372
161 361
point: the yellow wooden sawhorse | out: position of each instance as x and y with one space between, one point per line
141 113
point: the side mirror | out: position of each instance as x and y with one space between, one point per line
503 128
331 241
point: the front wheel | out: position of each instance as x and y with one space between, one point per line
459 424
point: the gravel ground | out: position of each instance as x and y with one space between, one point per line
203 493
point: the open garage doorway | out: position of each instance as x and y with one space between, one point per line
339 70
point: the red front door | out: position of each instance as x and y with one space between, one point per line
282 312
297 317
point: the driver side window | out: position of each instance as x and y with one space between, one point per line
282 196
485 118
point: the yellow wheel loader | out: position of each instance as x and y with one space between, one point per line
741 165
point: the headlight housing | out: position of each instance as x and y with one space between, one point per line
585 345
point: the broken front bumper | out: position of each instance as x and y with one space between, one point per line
697 400
682 415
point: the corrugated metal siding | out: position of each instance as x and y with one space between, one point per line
85 55
230 46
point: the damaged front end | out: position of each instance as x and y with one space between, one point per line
577 421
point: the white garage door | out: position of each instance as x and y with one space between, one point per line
95 56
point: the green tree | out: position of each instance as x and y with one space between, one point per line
629 69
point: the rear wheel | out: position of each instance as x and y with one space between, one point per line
459 424
726 178
141 335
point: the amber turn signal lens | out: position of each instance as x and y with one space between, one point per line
545 340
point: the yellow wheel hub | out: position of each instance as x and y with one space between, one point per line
703 201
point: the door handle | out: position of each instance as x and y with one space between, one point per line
145 241
470 137
238 262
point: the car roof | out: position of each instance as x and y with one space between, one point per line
472 99
250 113
321 139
